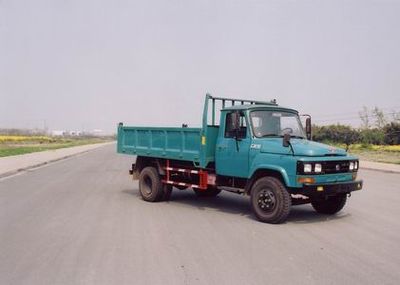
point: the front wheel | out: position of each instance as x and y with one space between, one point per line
330 205
270 200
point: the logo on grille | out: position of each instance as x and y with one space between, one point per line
337 167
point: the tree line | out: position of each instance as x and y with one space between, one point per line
376 128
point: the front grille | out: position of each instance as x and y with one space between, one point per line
330 167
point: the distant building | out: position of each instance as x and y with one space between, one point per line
68 133
74 133
58 133
97 132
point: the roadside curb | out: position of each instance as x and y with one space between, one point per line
381 170
19 170
33 166
381 167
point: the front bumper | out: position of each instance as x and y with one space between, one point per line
328 189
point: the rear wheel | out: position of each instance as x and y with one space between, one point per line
270 200
210 192
150 186
331 205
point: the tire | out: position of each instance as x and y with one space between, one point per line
331 205
150 186
270 200
210 192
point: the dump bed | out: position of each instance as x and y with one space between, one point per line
189 144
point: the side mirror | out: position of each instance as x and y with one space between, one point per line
308 128
286 140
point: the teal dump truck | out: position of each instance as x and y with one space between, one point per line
254 148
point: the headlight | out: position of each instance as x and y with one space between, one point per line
307 168
351 165
317 168
356 165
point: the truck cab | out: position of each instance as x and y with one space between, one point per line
259 140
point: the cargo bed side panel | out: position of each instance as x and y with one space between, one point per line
168 143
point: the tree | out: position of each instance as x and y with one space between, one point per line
380 120
364 116
372 136
336 134
396 117
392 133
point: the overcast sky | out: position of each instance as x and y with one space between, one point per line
90 64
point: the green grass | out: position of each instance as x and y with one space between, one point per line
376 153
378 156
29 146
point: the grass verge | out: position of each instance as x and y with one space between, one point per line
17 145
377 153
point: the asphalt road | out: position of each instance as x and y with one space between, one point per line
82 221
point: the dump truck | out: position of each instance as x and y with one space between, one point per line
248 147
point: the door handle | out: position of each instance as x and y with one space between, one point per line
222 147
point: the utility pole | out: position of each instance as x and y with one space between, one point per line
45 126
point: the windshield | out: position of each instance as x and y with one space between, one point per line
276 124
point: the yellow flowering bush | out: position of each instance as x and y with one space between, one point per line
21 139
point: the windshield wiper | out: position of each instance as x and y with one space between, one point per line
270 135
280 136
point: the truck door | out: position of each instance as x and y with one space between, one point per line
232 154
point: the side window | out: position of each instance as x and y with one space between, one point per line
229 126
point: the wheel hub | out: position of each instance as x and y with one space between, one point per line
266 200
147 185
